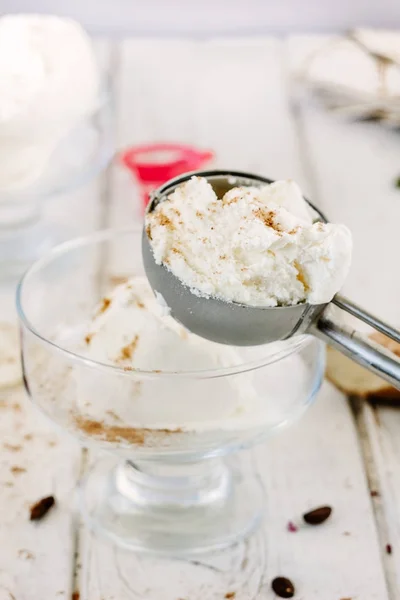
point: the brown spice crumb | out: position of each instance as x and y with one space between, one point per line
128 350
105 303
41 508
374 493
268 218
113 415
164 221
230 595
140 304
17 470
223 257
118 279
148 232
12 447
28 437
388 549
117 433
25 554
199 214
293 231
176 250
88 338
176 211
52 444
75 596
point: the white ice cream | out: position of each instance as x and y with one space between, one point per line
256 246
131 331
49 80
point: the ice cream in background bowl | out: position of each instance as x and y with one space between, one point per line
49 81
55 128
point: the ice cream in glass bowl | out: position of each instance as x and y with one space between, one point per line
104 360
55 127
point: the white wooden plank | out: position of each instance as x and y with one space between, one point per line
317 462
355 166
178 91
36 559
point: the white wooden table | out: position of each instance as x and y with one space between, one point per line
192 92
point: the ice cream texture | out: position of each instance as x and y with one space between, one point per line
257 246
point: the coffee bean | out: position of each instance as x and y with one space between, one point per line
283 587
318 515
41 508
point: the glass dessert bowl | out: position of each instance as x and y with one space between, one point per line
79 155
168 482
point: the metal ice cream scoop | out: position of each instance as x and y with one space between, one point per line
240 325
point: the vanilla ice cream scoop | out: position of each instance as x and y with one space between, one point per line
49 80
282 269
256 245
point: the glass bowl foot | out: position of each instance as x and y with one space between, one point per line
172 509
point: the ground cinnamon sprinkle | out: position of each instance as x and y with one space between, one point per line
105 303
267 217
128 350
113 415
12 447
148 232
118 279
117 433
17 470
88 338
165 221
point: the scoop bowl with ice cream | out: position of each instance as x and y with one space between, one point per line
242 260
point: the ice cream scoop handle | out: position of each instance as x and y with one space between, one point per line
363 315
359 348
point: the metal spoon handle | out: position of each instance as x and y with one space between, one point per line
365 352
363 315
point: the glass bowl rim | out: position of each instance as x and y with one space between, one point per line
293 345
